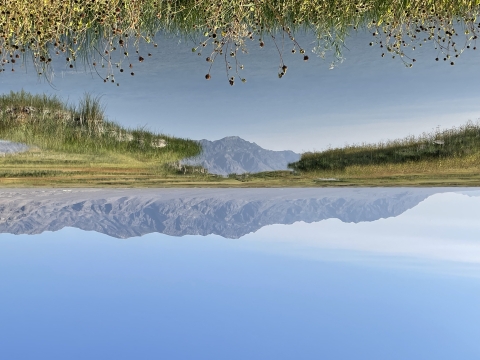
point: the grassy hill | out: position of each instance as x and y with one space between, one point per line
438 153
78 140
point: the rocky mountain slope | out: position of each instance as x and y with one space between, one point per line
235 155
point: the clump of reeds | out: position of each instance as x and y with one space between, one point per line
438 145
106 33
47 122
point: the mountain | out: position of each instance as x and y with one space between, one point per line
231 213
235 155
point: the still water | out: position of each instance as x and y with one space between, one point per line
240 274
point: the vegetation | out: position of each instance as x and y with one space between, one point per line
455 148
101 33
82 130
50 169
75 145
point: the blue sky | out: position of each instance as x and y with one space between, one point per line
367 98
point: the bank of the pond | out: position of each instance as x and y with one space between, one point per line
36 168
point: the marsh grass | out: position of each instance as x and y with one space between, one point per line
108 35
51 125
454 148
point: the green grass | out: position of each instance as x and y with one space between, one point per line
51 125
457 144
104 34
76 145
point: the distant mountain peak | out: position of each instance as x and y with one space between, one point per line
232 138
232 154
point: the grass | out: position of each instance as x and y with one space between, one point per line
107 34
48 123
81 133
44 169
38 168
76 146
430 156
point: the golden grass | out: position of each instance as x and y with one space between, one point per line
37 168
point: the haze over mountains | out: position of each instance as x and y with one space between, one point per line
234 155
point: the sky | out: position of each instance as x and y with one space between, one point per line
367 98
77 295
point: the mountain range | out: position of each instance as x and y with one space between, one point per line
230 213
234 155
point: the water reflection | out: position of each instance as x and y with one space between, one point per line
230 213
363 266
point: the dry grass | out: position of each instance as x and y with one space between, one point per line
38 168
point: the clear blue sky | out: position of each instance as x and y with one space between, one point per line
367 98
78 295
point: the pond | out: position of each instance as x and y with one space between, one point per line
237 179
240 273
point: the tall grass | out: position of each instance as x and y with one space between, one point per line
102 32
455 143
49 123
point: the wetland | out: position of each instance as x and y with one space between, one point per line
359 242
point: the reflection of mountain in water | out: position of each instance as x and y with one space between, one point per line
230 213
235 155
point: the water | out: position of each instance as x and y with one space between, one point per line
236 274
8 147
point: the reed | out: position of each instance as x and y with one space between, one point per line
106 34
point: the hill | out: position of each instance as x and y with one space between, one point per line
433 149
